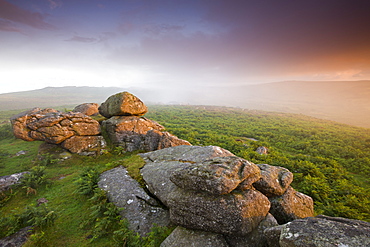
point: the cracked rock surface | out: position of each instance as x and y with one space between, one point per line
141 210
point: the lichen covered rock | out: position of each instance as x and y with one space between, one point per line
236 213
217 176
291 205
139 133
122 104
57 127
183 237
274 181
140 209
320 231
162 163
89 109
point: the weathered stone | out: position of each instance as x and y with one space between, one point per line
275 180
217 176
53 151
161 163
128 131
122 104
89 109
182 237
22 152
291 205
141 210
237 213
324 231
155 140
87 128
41 201
52 134
272 235
157 178
20 121
85 145
191 154
122 124
45 120
256 238
55 127
139 133
7 181
17 239
262 150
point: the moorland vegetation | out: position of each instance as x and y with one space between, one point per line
330 163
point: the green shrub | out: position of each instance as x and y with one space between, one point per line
47 159
33 180
104 215
36 216
6 131
5 196
87 182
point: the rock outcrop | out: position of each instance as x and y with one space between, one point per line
186 237
161 164
320 231
217 176
291 205
140 209
274 181
77 132
256 238
262 150
62 128
88 109
7 181
209 189
122 104
127 128
17 239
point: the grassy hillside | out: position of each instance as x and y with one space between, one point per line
77 213
330 162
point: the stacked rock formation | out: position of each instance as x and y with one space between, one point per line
79 133
126 126
213 196
89 109
74 131
210 189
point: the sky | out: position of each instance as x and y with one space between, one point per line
179 45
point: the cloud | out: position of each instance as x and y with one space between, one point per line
125 28
53 4
270 37
8 26
15 14
158 29
107 36
81 39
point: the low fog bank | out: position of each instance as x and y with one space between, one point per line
344 102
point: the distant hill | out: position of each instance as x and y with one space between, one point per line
342 101
55 96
